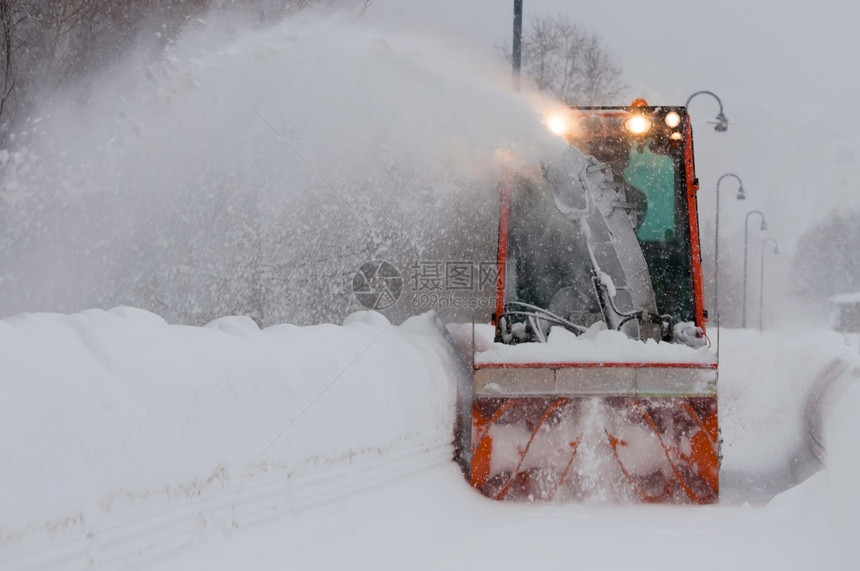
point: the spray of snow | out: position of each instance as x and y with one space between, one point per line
260 163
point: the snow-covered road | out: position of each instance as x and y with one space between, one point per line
130 442
432 520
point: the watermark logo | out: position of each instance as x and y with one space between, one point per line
452 284
434 284
377 285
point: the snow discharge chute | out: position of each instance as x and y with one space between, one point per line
598 384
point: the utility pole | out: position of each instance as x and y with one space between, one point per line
518 41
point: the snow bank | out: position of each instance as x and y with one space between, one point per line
127 439
843 471
103 409
766 381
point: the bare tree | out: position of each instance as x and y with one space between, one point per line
12 14
54 44
827 261
569 62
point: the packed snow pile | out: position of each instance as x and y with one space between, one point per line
127 439
770 393
105 409
597 345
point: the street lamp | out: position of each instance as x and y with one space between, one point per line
746 249
761 280
722 123
516 50
740 196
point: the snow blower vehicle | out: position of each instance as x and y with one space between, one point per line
595 380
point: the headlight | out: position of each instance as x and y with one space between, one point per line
673 119
558 124
638 124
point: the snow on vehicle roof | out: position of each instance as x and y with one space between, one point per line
845 298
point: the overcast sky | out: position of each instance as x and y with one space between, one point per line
785 71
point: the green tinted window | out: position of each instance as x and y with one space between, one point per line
654 176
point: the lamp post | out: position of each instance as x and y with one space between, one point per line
761 280
722 123
516 51
740 196
746 249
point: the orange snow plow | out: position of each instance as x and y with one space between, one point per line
594 381
581 444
